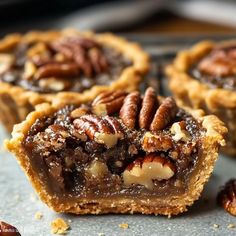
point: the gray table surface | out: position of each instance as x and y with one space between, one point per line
19 203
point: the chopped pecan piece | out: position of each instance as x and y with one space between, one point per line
108 102
97 169
144 170
178 129
6 61
164 114
54 84
149 106
78 112
227 197
129 110
105 130
29 70
153 143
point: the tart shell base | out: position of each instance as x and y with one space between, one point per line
171 205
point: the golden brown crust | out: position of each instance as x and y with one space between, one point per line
22 101
193 93
211 140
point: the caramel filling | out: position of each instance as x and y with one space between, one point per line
77 153
218 69
67 64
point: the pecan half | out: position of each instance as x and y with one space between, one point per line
227 197
148 116
129 110
144 170
86 53
98 60
149 106
57 70
105 130
164 114
8 230
108 102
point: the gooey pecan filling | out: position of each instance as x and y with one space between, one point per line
66 64
120 144
218 69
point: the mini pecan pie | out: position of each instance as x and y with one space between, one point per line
63 67
205 77
119 153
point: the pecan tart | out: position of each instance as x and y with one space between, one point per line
64 67
205 77
120 153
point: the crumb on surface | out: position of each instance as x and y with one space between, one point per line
231 226
38 215
59 226
101 234
124 226
33 197
216 226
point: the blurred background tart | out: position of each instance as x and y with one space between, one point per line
205 77
63 66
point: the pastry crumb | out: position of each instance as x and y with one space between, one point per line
216 226
33 197
101 234
59 226
231 226
124 226
38 215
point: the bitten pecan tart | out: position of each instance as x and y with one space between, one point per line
63 67
120 153
205 77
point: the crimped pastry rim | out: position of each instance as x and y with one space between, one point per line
215 130
129 79
184 85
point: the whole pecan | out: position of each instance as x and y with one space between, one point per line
148 109
227 197
108 103
130 109
105 130
164 114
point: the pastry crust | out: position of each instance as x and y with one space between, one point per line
218 101
211 141
16 102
